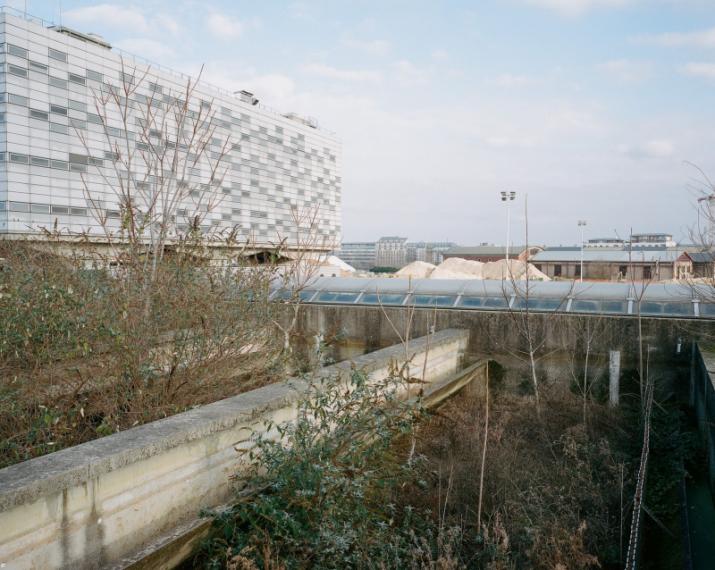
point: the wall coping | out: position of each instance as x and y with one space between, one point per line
55 472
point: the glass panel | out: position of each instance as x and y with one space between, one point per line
650 308
663 308
285 295
581 306
472 302
707 310
385 299
496 303
538 304
330 297
433 300
617 307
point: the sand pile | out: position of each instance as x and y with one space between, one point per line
458 268
514 268
416 270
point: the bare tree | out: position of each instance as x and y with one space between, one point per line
168 163
529 328
584 333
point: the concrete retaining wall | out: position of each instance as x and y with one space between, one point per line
97 504
494 334
702 400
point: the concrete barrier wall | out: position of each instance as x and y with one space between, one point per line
98 504
496 333
702 400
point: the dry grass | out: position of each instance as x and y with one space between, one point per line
552 494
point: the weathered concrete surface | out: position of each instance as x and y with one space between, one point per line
173 550
702 400
497 333
95 504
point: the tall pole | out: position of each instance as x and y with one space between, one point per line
508 229
581 224
508 197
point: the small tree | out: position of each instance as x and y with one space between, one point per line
168 163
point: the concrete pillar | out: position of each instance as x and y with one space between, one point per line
614 377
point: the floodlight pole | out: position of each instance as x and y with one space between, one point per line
508 197
581 224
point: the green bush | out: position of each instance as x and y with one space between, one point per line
322 495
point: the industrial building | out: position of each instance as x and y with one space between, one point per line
487 253
613 264
57 148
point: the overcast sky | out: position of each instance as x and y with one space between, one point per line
591 107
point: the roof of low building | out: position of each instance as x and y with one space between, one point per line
701 256
608 256
485 250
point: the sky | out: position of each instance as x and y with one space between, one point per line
593 109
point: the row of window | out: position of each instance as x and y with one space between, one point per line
33 208
75 160
622 270
18 51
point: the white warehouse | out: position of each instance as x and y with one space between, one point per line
57 148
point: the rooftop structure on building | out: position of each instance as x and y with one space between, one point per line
605 242
652 240
57 154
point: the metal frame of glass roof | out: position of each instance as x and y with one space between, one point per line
653 300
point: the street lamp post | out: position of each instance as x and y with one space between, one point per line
508 197
581 224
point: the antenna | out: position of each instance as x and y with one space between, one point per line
60 3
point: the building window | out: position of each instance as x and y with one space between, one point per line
557 271
17 70
57 55
577 270
94 75
74 78
647 273
16 50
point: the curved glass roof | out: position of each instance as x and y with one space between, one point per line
655 299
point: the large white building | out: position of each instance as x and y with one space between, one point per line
57 149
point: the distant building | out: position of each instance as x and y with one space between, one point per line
359 254
487 253
430 251
703 263
652 240
391 251
609 264
605 242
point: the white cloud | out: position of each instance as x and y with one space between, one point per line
408 72
107 15
694 69
656 148
168 23
510 80
439 55
577 7
700 38
627 71
223 26
147 48
328 72
372 47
